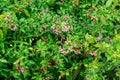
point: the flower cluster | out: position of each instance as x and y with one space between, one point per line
44 11
64 51
22 70
65 17
93 53
8 17
70 48
99 37
64 27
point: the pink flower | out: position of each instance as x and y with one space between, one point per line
64 51
65 17
7 18
57 31
44 11
76 52
65 28
99 37
70 48
13 27
57 22
22 70
53 26
94 53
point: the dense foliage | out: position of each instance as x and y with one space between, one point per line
59 39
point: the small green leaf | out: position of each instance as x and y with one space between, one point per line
115 2
103 19
26 13
1 33
67 73
3 60
108 3
90 38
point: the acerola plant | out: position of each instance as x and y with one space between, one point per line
59 40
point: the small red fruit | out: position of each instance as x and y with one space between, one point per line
90 17
18 67
85 53
45 40
43 27
62 76
57 62
42 69
87 13
21 10
50 63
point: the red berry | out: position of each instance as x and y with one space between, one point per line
57 62
87 13
90 17
21 10
18 67
85 53
42 69
62 76
43 27
45 40
50 63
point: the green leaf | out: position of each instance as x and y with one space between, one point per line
2 16
108 3
86 44
115 2
102 45
90 38
1 33
26 13
3 60
67 73
103 19
5 29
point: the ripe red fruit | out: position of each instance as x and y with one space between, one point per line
90 17
21 10
62 76
18 67
87 13
85 53
43 27
57 62
50 63
42 69
45 40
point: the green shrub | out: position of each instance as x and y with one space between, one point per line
60 39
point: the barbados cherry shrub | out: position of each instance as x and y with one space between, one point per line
59 39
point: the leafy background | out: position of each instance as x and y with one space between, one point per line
60 39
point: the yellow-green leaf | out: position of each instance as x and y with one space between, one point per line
108 3
3 60
26 13
115 2
103 19
1 33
